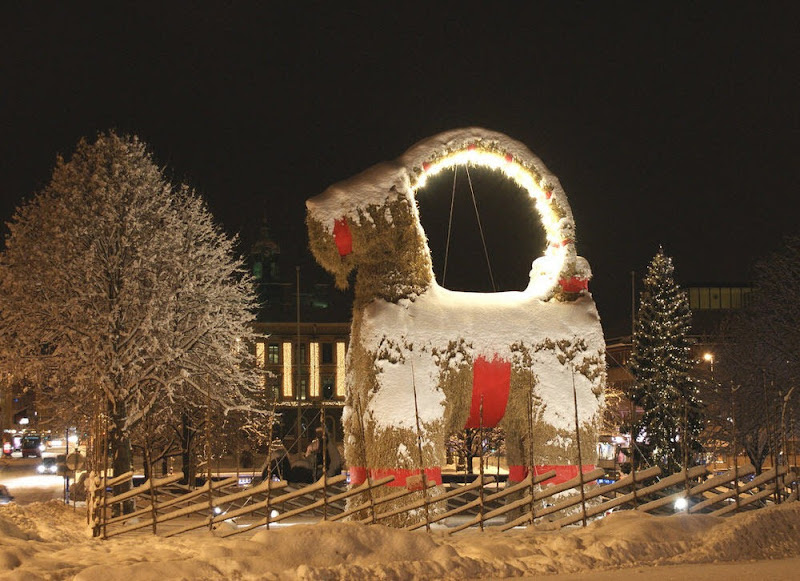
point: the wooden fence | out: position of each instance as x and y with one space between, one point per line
160 503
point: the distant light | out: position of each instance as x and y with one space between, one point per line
274 514
681 504
708 356
217 510
23 421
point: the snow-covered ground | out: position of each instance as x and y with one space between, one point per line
49 541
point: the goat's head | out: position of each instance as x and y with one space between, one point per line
371 222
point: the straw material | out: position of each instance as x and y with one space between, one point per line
392 262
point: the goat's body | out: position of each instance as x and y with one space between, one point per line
418 351
422 353
443 331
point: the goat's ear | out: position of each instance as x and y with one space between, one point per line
342 237
327 249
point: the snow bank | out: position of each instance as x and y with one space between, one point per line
46 541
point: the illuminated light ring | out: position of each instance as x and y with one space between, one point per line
559 233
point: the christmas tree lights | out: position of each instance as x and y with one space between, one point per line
661 363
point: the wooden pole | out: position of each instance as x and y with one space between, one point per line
419 448
207 447
105 471
237 453
298 426
363 449
480 460
578 440
531 465
153 509
324 445
633 455
794 449
685 442
771 437
269 464
784 440
735 448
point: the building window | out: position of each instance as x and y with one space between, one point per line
718 298
260 354
745 296
736 298
273 353
327 353
714 297
705 298
313 367
287 369
328 387
725 298
273 389
340 373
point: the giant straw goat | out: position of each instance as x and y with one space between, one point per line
425 361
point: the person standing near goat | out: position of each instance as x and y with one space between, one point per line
321 452
315 450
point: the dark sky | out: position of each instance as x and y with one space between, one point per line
675 124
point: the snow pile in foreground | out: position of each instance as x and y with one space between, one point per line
47 541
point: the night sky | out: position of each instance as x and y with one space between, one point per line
674 125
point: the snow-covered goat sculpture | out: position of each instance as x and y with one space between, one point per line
425 361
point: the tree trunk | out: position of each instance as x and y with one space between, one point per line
757 454
121 454
147 457
187 452
469 440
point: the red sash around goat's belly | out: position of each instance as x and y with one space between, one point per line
491 382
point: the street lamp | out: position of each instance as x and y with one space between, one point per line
709 357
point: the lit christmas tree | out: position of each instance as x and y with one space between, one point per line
661 363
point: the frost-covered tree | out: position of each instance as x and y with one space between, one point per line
759 364
661 363
122 295
468 444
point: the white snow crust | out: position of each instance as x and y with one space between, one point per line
49 541
485 322
374 186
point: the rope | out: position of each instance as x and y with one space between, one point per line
480 228
449 227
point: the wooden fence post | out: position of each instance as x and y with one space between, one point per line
578 440
480 462
735 451
419 448
105 473
208 455
364 460
531 465
269 463
324 445
633 457
153 510
685 442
